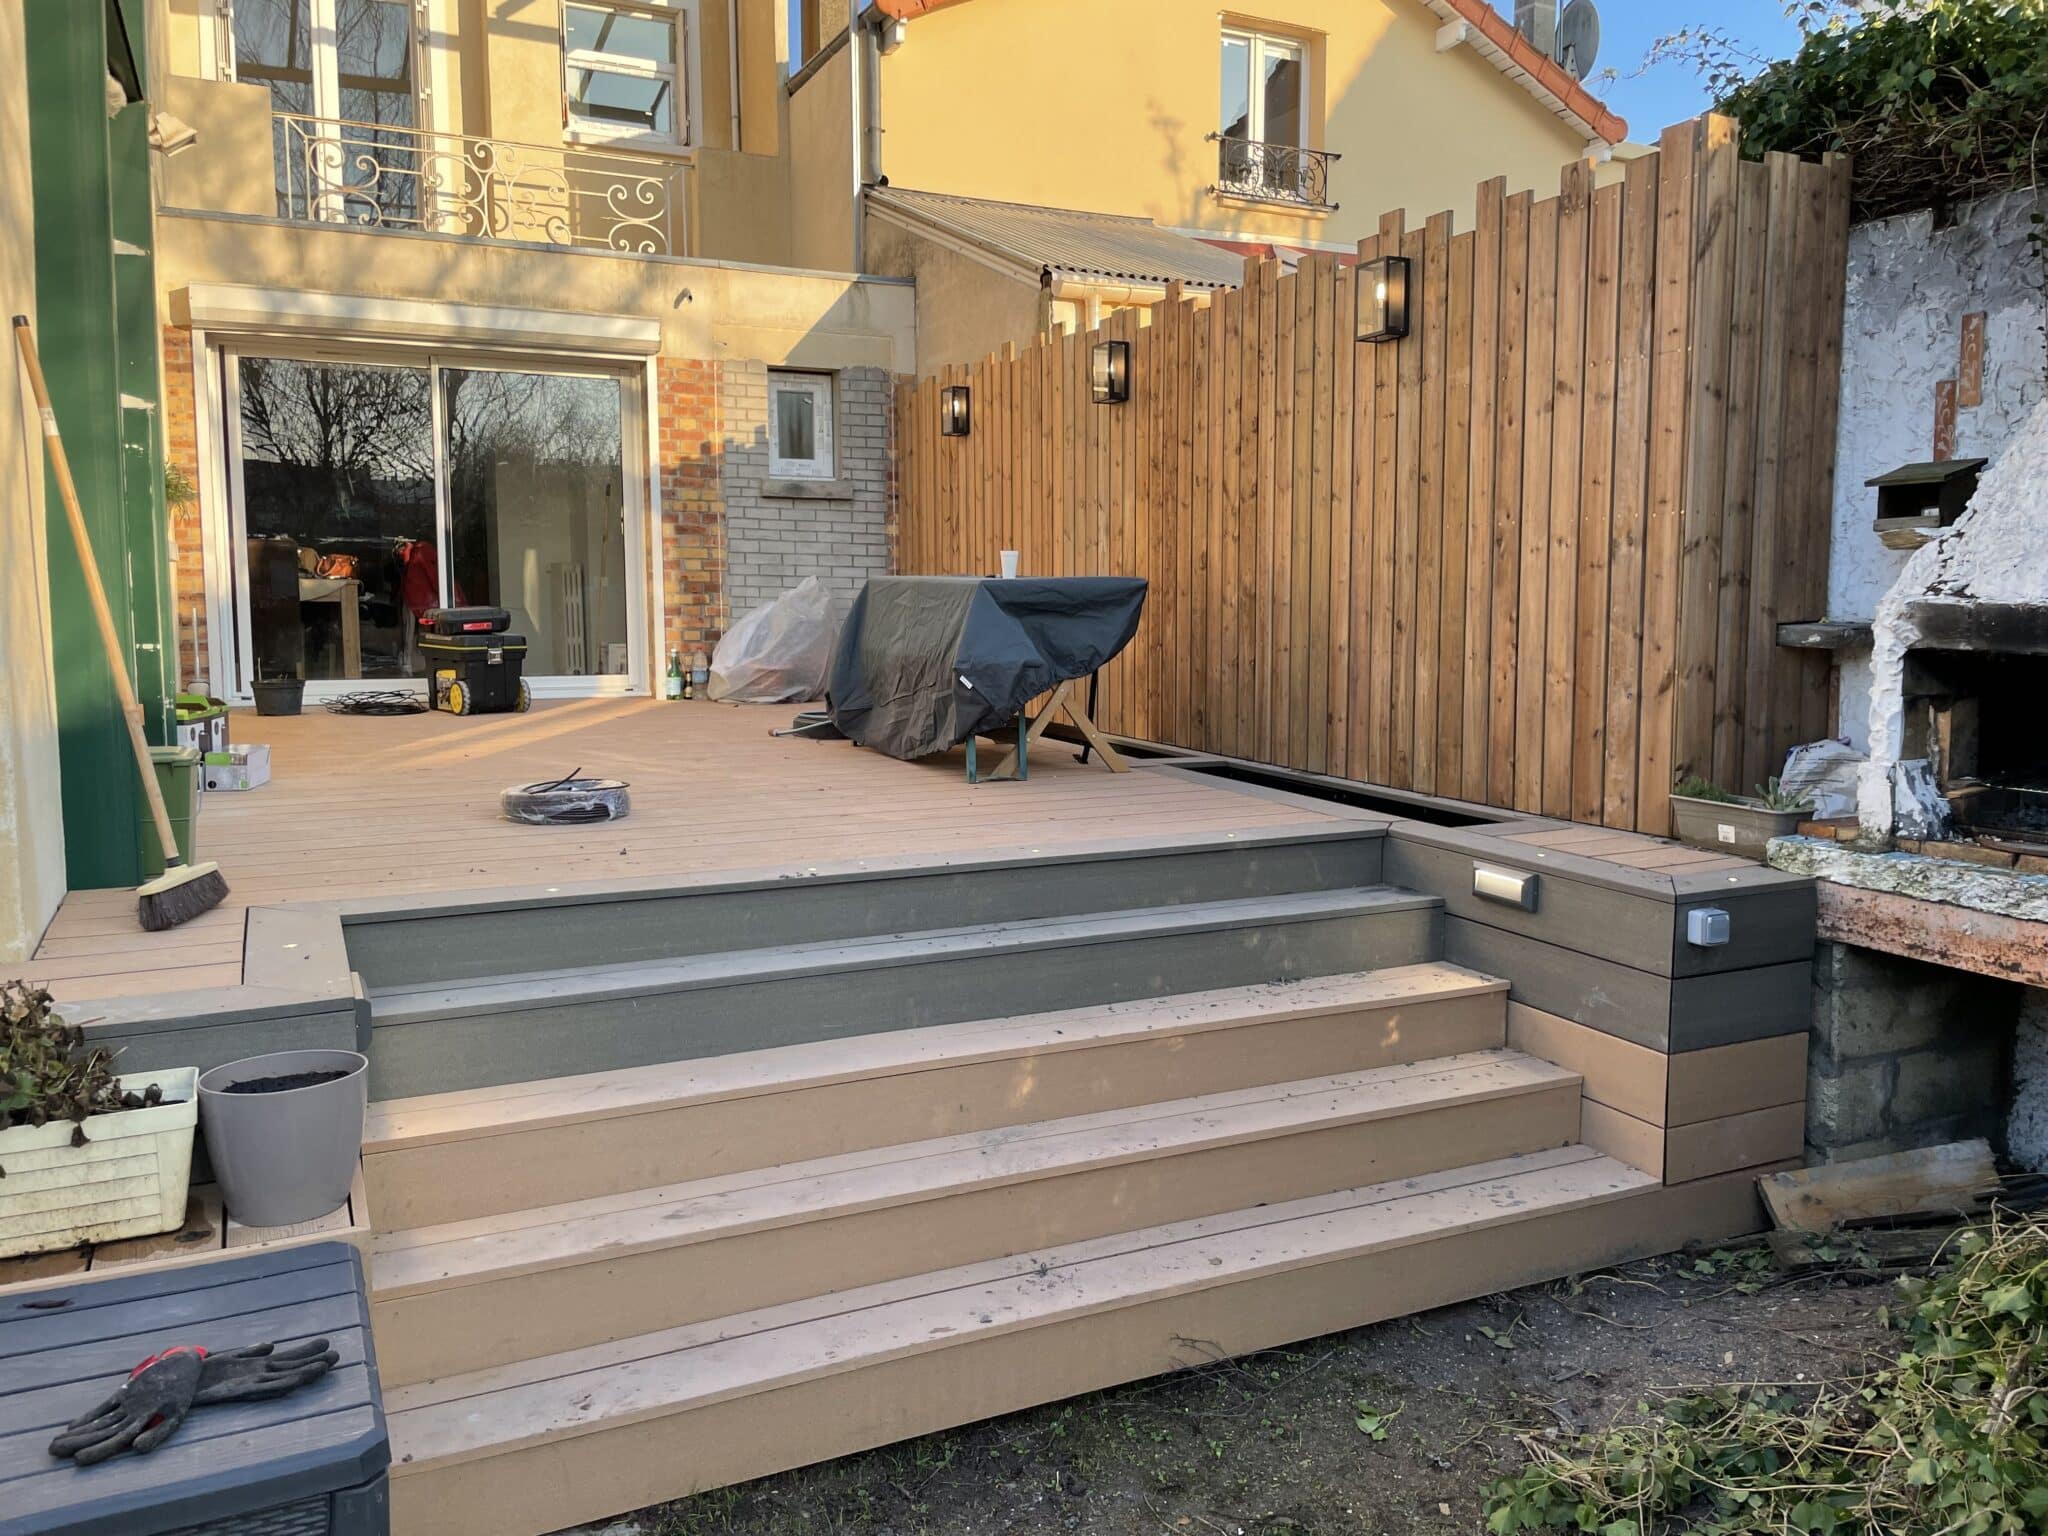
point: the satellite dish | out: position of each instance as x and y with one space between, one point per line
1578 38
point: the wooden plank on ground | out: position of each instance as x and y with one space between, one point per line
1949 1180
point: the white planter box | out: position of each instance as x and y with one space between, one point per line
128 1180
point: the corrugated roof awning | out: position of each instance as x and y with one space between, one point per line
1068 243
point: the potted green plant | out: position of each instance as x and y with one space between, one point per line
1708 816
85 1155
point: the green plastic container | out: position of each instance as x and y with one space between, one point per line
177 775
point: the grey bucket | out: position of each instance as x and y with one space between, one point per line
291 1155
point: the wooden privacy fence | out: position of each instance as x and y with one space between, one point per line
1535 554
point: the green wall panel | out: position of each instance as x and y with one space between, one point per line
96 327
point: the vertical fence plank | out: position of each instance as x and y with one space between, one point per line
1631 488
1386 665
1489 211
1407 518
1596 505
1344 365
1669 390
1831 264
1781 285
1714 167
1738 481
1509 404
1367 659
1451 644
1538 413
1315 705
1429 543
1567 420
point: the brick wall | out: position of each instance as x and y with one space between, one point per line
693 536
181 451
777 540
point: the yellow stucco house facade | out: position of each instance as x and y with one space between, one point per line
1292 124
489 301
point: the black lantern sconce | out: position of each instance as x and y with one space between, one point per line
953 411
1383 298
1109 372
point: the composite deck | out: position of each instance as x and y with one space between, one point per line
367 806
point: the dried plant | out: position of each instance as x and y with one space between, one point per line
46 1072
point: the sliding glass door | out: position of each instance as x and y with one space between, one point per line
365 493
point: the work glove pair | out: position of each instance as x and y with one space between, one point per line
147 1408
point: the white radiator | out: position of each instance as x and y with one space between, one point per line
575 642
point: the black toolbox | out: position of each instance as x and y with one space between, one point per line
473 666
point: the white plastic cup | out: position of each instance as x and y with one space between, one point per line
1009 565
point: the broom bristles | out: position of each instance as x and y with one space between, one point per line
180 894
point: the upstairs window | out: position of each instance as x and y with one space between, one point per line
1265 89
624 73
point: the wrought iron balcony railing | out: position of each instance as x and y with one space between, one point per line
1273 173
379 177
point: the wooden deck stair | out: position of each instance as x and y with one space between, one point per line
599 1292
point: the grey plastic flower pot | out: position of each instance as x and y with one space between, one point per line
289 1154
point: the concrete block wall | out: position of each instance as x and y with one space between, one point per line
837 532
1905 1054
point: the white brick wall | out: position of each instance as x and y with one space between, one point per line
773 542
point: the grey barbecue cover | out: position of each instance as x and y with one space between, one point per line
924 662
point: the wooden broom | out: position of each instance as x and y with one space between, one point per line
182 891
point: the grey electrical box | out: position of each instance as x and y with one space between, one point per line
1706 927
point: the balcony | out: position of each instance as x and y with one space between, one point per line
1285 174
375 176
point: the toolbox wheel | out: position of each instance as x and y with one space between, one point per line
458 699
525 700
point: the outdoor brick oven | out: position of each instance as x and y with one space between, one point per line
1960 670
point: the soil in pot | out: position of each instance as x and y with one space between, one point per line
283 1084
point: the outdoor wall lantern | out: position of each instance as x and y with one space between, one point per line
1383 298
953 410
1110 372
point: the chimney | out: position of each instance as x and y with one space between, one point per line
1537 21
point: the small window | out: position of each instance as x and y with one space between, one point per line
800 426
624 72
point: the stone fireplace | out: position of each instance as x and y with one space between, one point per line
1959 687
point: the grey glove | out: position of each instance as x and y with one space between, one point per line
258 1371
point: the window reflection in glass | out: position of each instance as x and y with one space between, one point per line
536 511
337 471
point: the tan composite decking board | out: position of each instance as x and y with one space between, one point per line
369 807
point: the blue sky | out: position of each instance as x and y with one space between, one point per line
1672 91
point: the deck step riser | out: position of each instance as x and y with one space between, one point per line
635 1462
537 935
558 1031
428 1183
498 1319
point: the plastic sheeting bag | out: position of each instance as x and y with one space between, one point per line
1824 775
779 652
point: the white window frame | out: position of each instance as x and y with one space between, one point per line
683 77
823 389
1257 44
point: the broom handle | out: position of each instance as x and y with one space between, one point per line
131 707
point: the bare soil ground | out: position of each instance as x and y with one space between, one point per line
1282 1444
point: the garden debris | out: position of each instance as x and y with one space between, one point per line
1932 1184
